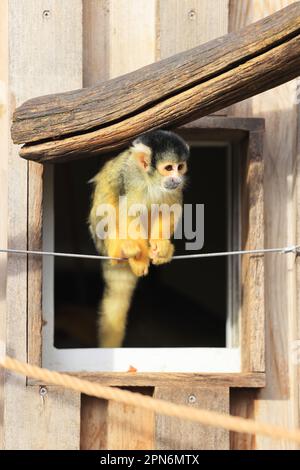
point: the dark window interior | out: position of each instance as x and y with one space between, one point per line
183 304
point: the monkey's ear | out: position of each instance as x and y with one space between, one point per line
142 153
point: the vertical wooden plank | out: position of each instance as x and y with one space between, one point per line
295 344
187 24
119 36
114 426
44 42
174 434
57 67
132 35
95 41
50 422
252 267
183 25
93 431
242 403
3 183
278 402
35 263
130 427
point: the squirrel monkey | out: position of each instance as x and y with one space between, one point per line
151 171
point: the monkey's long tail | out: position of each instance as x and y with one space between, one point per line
120 283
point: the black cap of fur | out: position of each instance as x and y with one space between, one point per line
163 143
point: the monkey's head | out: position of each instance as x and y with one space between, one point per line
163 156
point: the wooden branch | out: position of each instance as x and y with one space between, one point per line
167 93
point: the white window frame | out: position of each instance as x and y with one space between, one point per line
190 360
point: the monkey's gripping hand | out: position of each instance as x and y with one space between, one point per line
133 252
137 254
160 251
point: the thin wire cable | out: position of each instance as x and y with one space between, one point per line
54 253
287 249
284 250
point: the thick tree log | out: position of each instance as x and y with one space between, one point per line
167 93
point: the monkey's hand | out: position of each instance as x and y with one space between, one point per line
137 253
161 251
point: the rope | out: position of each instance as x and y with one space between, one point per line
284 250
205 417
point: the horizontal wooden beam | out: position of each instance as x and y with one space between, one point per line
145 379
164 94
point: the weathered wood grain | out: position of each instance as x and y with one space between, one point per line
242 403
130 427
278 402
252 267
4 142
171 379
93 428
192 83
28 421
35 263
115 426
95 50
242 82
175 434
183 25
48 423
56 70
131 37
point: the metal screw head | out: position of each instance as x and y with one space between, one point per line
192 399
192 15
46 14
43 391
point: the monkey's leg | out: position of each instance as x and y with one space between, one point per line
120 283
138 257
134 247
160 249
135 252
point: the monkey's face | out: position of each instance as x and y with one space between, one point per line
171 174
162 156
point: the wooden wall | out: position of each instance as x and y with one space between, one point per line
44 43
278 403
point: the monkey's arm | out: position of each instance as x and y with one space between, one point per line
108 190
161 249
105 193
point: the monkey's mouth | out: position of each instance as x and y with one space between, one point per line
170 185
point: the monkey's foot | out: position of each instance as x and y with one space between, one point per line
139 267
130 248
161 251
137 255
124 250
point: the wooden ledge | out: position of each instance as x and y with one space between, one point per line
143 379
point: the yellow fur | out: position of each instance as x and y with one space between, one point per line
120 284
121 276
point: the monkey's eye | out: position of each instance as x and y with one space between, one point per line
169 167
180 166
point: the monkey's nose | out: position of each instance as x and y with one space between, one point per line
172 183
